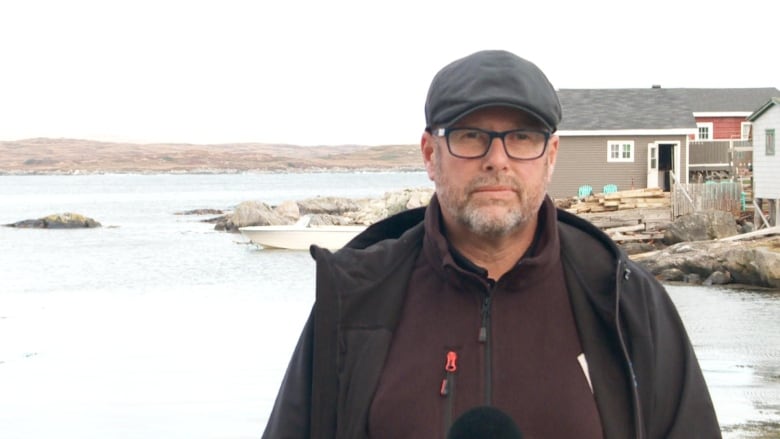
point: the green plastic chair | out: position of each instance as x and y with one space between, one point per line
610 189
584 191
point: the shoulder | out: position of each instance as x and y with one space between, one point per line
357 268
366 286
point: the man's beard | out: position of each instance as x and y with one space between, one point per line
472 213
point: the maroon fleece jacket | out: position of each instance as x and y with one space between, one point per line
464 340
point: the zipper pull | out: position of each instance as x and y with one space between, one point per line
482 337
450 367
452 358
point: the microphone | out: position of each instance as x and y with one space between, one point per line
484 422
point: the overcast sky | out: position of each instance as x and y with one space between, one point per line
338 72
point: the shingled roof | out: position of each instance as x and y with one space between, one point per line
726 99
756 114
652 108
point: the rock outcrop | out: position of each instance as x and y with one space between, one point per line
251 213
749 262
701 226
66 220
323 210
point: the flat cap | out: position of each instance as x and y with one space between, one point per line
491 78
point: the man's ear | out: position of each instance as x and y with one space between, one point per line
428 150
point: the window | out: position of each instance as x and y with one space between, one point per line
770 142
653 157
745 131
705 131
620 151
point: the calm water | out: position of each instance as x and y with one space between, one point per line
157 326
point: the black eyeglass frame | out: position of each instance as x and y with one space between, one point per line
445 132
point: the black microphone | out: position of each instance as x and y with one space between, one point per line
484 422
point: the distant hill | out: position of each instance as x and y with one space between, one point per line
58 156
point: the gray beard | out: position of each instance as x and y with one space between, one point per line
490 226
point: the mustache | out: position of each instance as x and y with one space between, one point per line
509 182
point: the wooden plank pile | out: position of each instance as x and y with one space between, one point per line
634 215
638 228
633 199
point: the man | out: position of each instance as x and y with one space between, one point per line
490 296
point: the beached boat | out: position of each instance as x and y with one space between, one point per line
296 237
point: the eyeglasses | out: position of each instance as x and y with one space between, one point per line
473 143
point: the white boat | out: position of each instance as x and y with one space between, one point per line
296 237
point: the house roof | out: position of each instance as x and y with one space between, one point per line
726 99
624 109
653 108
756 114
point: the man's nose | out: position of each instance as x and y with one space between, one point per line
496 155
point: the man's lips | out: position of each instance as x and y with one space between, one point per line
493 189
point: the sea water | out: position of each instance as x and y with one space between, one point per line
157 326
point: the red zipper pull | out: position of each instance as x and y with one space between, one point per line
452 358
450 367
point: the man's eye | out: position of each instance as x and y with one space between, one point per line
518 135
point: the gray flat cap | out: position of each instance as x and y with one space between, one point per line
491 78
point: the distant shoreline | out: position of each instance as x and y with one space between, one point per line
211 171
43 156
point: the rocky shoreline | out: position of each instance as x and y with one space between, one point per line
706 248
751 262
694 248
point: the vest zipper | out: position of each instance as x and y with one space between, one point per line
447 389
484 339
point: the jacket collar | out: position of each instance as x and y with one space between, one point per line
542 256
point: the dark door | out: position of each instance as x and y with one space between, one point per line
665 164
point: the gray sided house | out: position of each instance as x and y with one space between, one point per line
637 138
630 138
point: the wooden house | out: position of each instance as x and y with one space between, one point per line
647 138
722 144
631 138
722 113
766 158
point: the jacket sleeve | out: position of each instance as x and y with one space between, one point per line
681 400
290 417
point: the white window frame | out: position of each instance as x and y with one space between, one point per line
710 130
744 130
621 144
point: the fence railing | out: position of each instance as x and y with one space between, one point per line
719 153
688 198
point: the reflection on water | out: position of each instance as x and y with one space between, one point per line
736 335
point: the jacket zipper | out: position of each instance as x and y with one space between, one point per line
484 339
447 388
638 419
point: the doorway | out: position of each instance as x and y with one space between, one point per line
665 165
